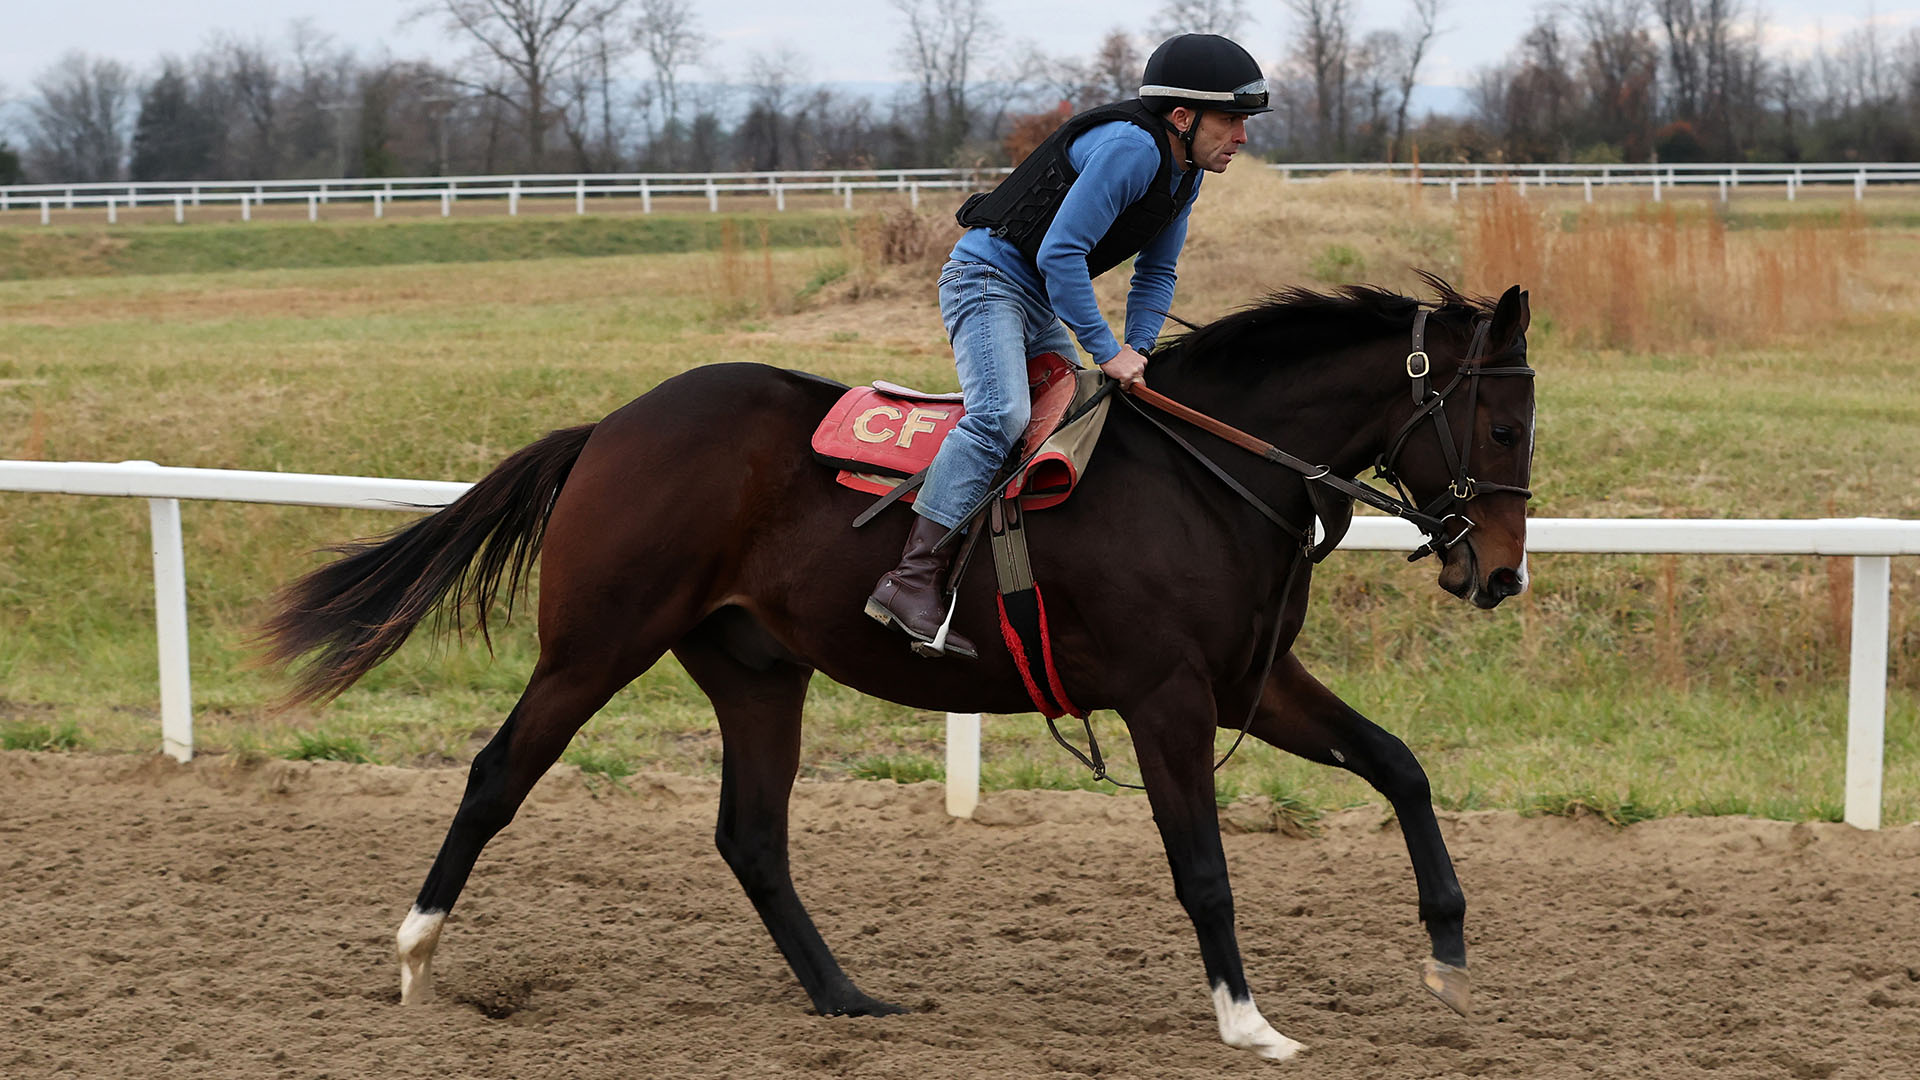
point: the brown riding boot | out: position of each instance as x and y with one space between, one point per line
909 595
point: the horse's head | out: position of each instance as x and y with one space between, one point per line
1463 444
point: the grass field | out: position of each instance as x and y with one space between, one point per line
1629 685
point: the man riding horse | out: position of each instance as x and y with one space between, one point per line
1113 183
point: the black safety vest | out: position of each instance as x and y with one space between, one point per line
1023 206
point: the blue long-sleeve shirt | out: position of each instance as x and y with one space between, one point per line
1116 163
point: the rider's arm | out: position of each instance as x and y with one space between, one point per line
1120 162
1151 293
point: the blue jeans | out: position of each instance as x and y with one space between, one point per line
995 326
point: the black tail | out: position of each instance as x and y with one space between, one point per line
357 610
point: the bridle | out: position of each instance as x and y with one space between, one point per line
1442 514
1441 518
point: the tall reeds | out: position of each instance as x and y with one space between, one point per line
1663 274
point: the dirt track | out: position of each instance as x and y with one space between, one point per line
213 921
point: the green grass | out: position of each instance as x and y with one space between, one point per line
16 735
325 746
70 250
1625 685
904 769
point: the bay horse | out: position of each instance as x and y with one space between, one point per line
694 520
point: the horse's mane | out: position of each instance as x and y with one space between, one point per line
1353 311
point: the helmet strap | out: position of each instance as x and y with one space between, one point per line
1186 137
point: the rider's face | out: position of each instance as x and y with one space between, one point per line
1221 135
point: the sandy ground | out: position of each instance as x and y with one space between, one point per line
218 920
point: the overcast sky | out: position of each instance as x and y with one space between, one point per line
843 41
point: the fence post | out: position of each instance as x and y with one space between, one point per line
913 195
446 203
513 202
46 212
1860 185
963 763
179 210
779 197
1523 185
246 208
646 198
1586 187
713 197
1656 186
1867 689
580 196
379 206
1790 186
170 619
113 211
313 208
1453 186
849 191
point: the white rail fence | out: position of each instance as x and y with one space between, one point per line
582 188
1872 542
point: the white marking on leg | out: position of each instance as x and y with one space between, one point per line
1242 1027
415 942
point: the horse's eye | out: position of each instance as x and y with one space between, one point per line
1503 435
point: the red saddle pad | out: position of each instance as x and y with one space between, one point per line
879 436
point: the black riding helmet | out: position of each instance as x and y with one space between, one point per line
1203 71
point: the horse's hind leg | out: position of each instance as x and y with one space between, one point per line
1302 717
557 701
758 697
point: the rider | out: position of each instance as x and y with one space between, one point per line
1114 182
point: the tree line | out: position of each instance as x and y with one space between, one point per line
620 85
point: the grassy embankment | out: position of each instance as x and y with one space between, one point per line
1635 685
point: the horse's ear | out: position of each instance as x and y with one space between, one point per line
1510 319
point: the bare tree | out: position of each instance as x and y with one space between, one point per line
1114 74
591 96
1621 63
1414 40
666 31
535 40
252 79
1326 29
78 126
1227 18
941 48
767 135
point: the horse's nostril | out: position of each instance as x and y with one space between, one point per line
1505 581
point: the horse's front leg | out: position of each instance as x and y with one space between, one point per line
1173 737
1302 717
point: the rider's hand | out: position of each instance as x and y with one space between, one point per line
1127 367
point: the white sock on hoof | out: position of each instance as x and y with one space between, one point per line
1242 1026
415 943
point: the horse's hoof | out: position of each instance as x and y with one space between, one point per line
1446 982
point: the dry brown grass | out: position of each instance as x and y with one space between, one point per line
1252 233
1662 274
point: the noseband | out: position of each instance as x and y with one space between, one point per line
1442 518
